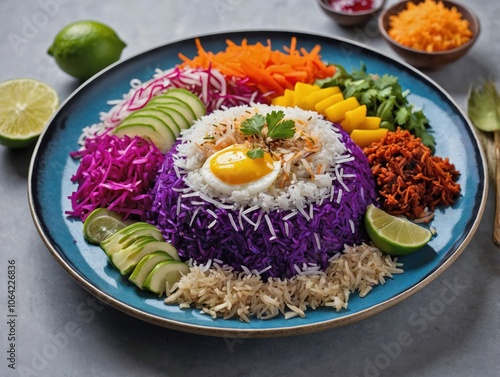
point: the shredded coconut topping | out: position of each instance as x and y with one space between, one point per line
310 161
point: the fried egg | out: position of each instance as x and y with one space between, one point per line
231 169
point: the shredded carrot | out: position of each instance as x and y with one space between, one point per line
271 71
410 179
429 26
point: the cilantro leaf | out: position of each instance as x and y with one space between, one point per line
356 88
283 130
253 125
273 118
385 93
278 128
386 81
402 116
368 97
255 153
428 140
385 110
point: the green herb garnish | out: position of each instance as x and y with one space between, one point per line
253 125
484 107
255 153
277 128
384 98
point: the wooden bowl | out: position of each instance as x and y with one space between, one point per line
351 18
424 59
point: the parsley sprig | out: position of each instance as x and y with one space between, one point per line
277 128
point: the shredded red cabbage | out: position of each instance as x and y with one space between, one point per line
114 173
211 86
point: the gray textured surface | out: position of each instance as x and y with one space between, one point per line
64 331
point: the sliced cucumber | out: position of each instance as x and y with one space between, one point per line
168 136
157 113
163 99
165 273
127 236
146 131
183 113
178 114
126 259
173 102
191 99
146 265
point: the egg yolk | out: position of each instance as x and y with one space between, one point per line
233 166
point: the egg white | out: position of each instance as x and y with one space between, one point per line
251 188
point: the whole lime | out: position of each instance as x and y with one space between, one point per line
84 48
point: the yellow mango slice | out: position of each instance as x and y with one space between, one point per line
278 101
336 112
286 99
321 106
370 123
319 95
354 118
364 138
301 92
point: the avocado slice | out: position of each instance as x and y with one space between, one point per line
126 259
146 265
165 273
128 235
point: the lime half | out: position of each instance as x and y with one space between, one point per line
27 106
394 235
102 223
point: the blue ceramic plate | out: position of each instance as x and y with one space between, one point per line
51 169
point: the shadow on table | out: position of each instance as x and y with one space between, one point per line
17 161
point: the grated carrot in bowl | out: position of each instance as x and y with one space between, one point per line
429 26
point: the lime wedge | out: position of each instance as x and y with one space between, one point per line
394 235
100 224
27 105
